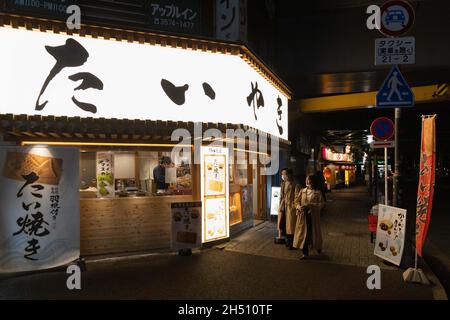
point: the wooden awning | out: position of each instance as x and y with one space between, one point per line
35 128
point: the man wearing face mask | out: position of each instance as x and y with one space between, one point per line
286 212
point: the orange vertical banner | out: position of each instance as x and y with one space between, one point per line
426 180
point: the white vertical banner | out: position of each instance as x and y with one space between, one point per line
40 208
105 174
390 233
231 20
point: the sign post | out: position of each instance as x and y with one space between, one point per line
383 129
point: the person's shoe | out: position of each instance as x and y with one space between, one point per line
292 248
302 257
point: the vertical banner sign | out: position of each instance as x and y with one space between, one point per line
390 233
426 180
186 225
40 208
105 174
215 194
231 20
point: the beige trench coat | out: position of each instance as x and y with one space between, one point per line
287 197
315 204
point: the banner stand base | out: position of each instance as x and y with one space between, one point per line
416 276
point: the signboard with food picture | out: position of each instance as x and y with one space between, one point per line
186 225
40 211
390 233
215 194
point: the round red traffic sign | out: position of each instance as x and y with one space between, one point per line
382 128
397 17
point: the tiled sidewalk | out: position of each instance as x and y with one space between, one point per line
344 231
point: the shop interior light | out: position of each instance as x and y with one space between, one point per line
101 144
249 151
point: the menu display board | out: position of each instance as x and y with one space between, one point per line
186 221
215 194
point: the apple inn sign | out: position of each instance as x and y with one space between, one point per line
68 75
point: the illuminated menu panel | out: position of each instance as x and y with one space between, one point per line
215 197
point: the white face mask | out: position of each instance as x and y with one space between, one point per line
283 177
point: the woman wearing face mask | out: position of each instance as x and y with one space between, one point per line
308 203
286 211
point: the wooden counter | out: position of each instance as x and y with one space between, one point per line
122 225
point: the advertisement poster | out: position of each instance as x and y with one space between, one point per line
390 233
186 225
216 220
40 211
275 201
215 194
426 181
105 174
214 175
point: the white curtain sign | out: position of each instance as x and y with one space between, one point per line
39 212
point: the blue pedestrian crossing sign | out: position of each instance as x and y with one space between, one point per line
395 91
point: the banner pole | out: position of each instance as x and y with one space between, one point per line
386 195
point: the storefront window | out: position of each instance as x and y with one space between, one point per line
108 174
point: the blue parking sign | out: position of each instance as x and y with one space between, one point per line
395 91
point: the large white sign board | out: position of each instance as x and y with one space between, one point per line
40 208
60 75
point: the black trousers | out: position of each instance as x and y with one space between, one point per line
289 240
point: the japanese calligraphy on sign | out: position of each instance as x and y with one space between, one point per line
83 77
390 51
105 175
390 233
425 190
183 16
231 20
39 216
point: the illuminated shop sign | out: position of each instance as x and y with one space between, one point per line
60 75
329 155
215 194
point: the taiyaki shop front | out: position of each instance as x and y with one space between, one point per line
122 142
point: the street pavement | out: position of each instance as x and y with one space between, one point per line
213 274
346 239
250 266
